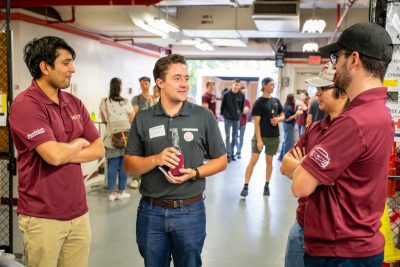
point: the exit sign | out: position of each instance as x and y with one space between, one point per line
315 60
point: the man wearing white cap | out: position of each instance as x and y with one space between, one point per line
345 175
332 101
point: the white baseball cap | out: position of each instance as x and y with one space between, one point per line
325 78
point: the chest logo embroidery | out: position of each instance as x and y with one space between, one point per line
188 136
320 156
75 117
35 133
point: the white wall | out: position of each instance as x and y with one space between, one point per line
96 63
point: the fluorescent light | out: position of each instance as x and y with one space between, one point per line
228 42
147 27
204 46
163 25
310 47
314 25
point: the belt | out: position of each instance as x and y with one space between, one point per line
171 203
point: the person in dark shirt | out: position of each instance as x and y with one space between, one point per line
267 113
232 108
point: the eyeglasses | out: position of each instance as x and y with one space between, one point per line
335 56
323 89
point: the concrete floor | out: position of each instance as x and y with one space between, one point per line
240 232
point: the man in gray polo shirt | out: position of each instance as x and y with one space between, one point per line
171 214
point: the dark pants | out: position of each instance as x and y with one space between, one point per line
372 261
162 233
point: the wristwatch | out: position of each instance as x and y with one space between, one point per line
197 174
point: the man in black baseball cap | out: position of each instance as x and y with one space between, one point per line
349 163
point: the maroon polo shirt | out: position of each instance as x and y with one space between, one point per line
46 191
210 100
308 140
245 117
342 216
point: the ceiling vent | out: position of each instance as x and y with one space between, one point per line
276 15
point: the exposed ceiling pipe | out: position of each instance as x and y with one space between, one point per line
346 9
72 20
42 3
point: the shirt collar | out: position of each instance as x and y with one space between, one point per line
369 95
37 93
184 111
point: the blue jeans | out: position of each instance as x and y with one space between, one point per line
372 261
294 256
162 233
230 146
301 128
242 129
116 167
288 139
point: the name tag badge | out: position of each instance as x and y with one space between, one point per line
157 131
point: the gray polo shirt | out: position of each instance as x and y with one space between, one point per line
198 134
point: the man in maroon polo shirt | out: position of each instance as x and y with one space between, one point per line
53 134
208 100
345 174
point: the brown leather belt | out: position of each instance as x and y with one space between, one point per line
171 203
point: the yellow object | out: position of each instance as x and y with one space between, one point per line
391 253
3 103
93 116
392 83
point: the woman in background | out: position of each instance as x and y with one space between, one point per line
116 112
288 124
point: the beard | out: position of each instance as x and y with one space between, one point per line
343 79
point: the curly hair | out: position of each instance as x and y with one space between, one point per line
161 67
44 49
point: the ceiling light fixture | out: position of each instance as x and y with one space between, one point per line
204 46
157 26
313 24
145 26
163 25
310 47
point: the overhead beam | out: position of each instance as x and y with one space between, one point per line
44 3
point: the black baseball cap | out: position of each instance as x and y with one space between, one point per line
368 39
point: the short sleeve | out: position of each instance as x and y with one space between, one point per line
135 144
280 109
135 101
336 150
215 146
257 109
204 99
313 108
128 108
30 125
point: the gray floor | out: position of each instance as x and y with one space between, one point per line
240 232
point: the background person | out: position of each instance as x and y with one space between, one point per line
242 124
116 111
208 100
232 108
53 134
267 113
140 102
288 124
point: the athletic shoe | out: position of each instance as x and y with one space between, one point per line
123 195
245 192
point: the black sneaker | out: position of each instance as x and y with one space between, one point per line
238 156
233 158
245 192
266 191
229 159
